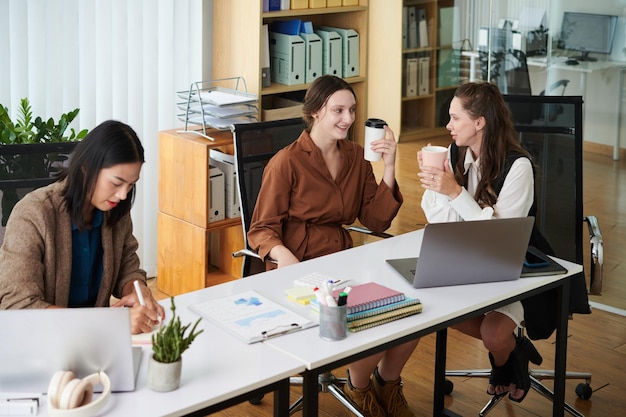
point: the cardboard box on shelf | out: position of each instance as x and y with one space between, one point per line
299 4
313 4
278 108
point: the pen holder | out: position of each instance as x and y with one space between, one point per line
333 322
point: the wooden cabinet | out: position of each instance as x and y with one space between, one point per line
237 46
186 240
420 116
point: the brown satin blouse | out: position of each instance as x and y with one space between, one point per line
303 208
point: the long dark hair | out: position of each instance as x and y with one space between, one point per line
108 144
317 95
500 138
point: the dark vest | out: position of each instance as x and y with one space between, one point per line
540 313
536 238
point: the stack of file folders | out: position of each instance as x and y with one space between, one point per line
372 304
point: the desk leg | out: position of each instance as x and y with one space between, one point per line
560 360
310 392
281 399
440 376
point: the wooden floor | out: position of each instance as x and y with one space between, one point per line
597 342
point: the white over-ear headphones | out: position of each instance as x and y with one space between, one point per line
71 397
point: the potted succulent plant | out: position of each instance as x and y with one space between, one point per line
168 345
31 148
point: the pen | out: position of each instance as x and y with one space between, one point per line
139 294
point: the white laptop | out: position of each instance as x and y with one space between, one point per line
36 343
468 252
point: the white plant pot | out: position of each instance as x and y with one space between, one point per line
164 377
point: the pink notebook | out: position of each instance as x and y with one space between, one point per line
370 295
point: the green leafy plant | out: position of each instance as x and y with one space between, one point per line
28 130
37 162
169 343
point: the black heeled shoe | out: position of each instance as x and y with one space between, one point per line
524 352
500 375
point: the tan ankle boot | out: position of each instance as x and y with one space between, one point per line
391 398
363 399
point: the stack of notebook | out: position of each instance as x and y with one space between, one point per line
372 304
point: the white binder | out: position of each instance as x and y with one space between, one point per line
422 25
413 42
266 80
332 51
312 56
226 164
424 76
405 27
350 44
411 76
216 195
287 58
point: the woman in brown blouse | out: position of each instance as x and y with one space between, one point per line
311 189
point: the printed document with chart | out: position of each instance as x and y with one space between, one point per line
252 316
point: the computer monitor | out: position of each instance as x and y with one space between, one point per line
587 32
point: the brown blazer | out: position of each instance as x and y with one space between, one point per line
36 255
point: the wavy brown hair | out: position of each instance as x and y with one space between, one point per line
500 139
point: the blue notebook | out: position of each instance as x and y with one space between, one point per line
383 309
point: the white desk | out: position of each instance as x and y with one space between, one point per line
218 371
442 307
210 381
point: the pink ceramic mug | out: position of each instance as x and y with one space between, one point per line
434 156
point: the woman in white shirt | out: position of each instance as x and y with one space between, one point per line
487 175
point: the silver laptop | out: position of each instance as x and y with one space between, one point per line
468 252
36 343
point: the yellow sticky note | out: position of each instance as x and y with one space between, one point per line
300 294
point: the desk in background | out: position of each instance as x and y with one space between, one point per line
583 69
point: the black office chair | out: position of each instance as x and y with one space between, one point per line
255 144
556 147
27 167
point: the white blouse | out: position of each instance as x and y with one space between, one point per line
514 200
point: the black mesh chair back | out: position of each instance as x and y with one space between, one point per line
26 167
255 144
553 136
